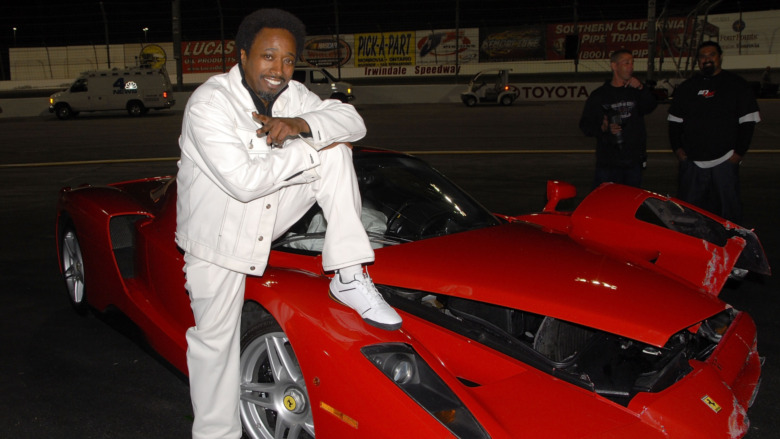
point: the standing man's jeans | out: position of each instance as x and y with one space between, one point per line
714 189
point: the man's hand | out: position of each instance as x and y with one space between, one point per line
735 158
634 83
681 156
279 129
612 127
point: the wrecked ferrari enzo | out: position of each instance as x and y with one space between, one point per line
607 316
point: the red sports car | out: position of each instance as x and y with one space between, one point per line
602 322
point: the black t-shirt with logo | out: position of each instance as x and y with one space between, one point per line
710 109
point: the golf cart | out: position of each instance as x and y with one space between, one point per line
490 86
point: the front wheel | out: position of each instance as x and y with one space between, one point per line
63 112
341 97
274 402
72 268
470 101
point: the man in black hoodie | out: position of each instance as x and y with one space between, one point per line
711 123
614 115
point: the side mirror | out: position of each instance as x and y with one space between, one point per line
557 191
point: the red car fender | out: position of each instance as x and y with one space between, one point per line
90 210
325 337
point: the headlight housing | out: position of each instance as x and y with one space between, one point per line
402 365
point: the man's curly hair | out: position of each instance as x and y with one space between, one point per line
269 18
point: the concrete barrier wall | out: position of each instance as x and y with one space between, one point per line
380 94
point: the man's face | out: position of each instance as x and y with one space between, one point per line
270 62
709 60
623 69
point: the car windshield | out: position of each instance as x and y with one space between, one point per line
404 200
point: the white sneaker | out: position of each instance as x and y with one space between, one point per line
362 296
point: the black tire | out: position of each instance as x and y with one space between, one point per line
72 268
63 112
470 101
135 108
340 96
282 385
507 100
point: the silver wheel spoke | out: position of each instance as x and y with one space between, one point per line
259 399
280 432
281 429
260 394
71 273
309 425
283 366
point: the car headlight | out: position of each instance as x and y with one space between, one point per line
401 364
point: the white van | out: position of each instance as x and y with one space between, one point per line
323 83
135 89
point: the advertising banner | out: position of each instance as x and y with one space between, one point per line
206 56
385 49
328 51
441 46
524 43
598 39
749 33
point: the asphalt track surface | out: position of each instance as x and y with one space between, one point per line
67 376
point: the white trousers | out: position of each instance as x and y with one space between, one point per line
217 294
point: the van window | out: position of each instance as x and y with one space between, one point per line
79 86
318 78
300 76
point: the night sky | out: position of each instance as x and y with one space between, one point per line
75 22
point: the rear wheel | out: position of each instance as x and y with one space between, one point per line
274 402
507 100
135 108
470 101
72 268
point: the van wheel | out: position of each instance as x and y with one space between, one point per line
63 112
340 96
135 108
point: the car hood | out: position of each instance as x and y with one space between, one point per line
518 265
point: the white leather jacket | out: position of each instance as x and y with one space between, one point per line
228 178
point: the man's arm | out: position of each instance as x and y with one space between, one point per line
749 116
333 122
234 157
676 119
676 138
593 121
327 121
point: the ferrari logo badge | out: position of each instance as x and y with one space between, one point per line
711 403
290 403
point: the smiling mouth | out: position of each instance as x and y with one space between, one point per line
273 82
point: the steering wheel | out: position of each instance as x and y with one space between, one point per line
418 220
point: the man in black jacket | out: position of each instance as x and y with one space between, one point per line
614 115
711 123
